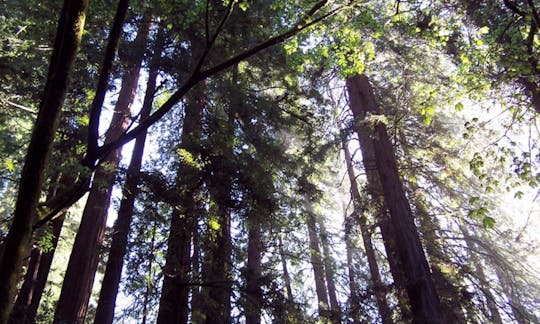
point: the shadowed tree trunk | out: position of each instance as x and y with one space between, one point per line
173 305
29 295
68 38
378 205
451 303
115 261
254 300
425 305
79 277
379 288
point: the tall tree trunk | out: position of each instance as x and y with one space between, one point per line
335 309
149 283
423 297
378 205
354 298
379 288
79 278
68 38
173 306
29 295
451 301
197 303
253 304
286 276
317 262
115 261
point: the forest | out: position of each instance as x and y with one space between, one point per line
259 161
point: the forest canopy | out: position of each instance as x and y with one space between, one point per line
256 161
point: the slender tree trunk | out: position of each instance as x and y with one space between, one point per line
253 305
29 295
173 306
196 292
317 262
79 278
423 297
379 289
354 299
286 276
115 261
329 274
68 38
149 282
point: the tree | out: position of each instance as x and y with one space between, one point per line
424 300
68 38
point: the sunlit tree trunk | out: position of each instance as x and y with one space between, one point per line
379 289
68 38
115 261
425 305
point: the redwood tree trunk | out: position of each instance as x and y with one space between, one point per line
254 302
425 305
79 278
68 38
115 261
378 287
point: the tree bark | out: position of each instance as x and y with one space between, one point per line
68 38
425 304
378 205
254 302
79 277
115 261
379 288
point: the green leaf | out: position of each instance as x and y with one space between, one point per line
474 200
488 222
459 106
8 163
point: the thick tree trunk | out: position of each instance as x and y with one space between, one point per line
79 278
173 306
115 261
68 38
335 309
254 302
425 305
379 288
451 301
378 204
317 262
